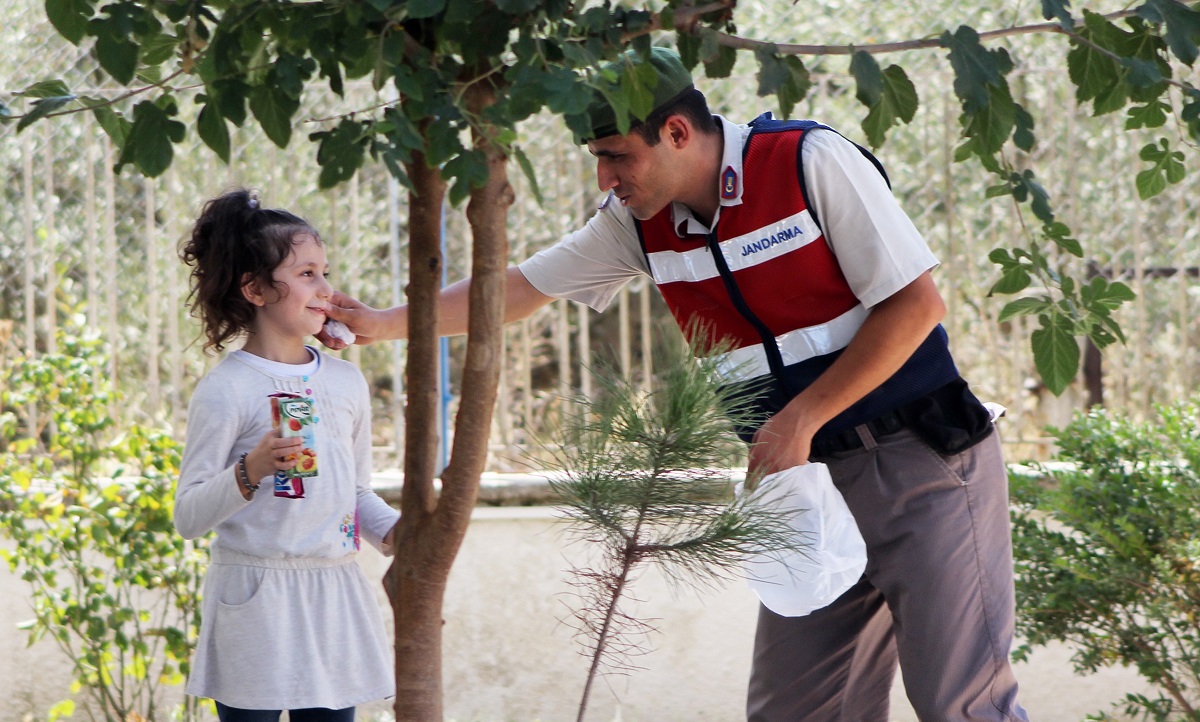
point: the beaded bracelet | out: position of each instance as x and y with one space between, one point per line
245 477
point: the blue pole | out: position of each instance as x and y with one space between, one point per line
444 365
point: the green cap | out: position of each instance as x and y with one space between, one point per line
674 81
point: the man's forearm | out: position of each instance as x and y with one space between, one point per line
893 330
521 301
889 336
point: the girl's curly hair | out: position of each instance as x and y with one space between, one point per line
235 241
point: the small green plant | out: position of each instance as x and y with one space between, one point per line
1107 547
88 508
647 477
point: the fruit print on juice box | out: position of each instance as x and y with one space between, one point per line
294 415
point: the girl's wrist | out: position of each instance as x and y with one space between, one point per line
256 468
248 483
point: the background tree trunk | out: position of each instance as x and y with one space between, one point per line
431 528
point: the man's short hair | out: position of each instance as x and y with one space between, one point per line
693 106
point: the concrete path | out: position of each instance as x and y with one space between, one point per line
509 658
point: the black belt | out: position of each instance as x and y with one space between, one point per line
827 444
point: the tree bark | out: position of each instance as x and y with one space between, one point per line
416 609
431 528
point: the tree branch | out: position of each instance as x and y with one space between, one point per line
136 91
686 20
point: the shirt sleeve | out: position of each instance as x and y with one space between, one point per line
879 249
591 264
375 517
208 491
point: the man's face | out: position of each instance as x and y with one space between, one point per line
640 175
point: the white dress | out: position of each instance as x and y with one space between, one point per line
289 619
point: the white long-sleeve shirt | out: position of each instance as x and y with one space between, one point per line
229 412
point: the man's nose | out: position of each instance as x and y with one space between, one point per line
605 178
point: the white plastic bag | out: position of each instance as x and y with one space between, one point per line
832 554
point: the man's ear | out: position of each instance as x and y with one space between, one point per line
677 130
252 291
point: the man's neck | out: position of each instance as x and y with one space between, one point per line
707 200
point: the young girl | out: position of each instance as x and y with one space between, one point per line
289 620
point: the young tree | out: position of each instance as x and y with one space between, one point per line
645 477
445 68
88 509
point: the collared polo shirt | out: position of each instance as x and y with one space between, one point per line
877 246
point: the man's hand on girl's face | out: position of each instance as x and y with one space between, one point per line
330 342
353 313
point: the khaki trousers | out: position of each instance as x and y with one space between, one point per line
936 596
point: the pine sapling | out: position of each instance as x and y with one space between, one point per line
647 477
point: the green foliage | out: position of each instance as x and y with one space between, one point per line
540 55
1108 64
149 141
889 94
1080 309
646 478
989 112
89 513
1167 168
1180 23
782 76
1107 548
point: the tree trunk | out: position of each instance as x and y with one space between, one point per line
431 529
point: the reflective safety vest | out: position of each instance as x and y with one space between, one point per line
764 292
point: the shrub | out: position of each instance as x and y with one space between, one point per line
1107 548
89 509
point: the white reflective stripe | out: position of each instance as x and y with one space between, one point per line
770 242
747 250
795 346
671 266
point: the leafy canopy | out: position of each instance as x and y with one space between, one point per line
253 60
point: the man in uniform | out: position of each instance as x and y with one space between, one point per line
784 241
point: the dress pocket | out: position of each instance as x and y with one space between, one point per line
241 623
238 586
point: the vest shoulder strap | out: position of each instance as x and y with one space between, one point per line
765 123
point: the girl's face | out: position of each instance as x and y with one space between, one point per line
296 307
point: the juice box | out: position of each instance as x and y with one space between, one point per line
294 415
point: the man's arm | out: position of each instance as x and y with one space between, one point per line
370 324
890 334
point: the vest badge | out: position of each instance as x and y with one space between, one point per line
729 183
